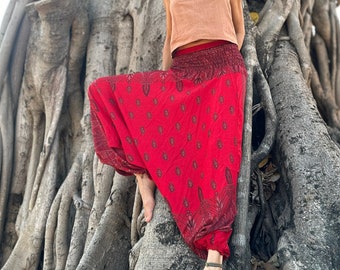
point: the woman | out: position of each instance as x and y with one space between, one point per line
180 129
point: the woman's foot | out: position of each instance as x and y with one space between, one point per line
214 260
147 189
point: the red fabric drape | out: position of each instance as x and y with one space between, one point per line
184 128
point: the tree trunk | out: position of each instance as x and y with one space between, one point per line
60 208
310 164
162 246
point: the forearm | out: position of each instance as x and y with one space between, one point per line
167 59
238 21
240 39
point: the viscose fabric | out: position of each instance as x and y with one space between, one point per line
184 128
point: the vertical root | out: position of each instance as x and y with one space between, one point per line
52 119
137 208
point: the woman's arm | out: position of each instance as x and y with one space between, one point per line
167 59
238 21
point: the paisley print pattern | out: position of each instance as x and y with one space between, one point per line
184 128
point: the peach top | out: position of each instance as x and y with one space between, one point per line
200 19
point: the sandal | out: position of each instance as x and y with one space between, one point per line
219 265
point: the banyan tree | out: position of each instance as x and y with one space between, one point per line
60 208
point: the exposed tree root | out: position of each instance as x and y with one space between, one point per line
297 39
269 29
325 43
26 252
7 38
6 151
240 239
57 222
137 208
114 227
306 243
56 195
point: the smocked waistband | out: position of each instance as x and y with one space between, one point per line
199 47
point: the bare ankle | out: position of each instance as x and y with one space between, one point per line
146 188
214 260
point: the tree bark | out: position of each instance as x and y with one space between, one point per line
162 246
310 164
60 208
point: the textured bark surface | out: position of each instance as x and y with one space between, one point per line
162 247
60 208
310 172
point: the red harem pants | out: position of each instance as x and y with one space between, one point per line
184 128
